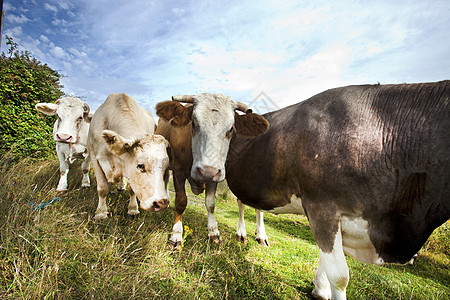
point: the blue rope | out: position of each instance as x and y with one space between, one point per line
44 204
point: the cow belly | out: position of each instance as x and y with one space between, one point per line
356 241
294 207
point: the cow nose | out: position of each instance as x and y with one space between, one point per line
160 205
207 174
62 137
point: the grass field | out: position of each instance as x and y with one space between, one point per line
61 253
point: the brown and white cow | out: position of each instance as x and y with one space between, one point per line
122 143
70 134
199 136
368 165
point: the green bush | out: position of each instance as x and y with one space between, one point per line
25 81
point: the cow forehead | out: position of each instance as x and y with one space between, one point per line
70 107
152 147
213 109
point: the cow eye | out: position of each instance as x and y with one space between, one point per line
194 128
141 167
80 118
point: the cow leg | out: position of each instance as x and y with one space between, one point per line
210 202
261 236
322 289
62 150
332 266
241 234
122 185
180 206
85 166
102 190
133 209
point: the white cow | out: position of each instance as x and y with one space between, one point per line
70 134
122 144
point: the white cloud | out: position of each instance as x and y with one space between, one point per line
179 12
60 22
14 32
7 7
58 52
50 7
44 38
17 19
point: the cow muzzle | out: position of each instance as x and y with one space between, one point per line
208 174
155 205
64 138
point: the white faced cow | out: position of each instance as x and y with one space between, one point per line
70 134
368 165
122 144
199 136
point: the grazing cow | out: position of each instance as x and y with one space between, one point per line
368 165
70 134
206 123
122 144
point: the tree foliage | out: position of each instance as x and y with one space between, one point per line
25 81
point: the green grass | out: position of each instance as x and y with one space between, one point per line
61 253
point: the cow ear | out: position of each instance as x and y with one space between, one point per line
117 144
250 125
179 114
87 115
47 108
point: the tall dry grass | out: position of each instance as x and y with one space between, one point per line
61 253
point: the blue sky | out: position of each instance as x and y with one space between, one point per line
290 50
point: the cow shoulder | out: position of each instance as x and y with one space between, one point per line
178 114
250 125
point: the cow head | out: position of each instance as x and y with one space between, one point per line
145 163
213 120
71 113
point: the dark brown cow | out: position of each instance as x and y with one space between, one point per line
369 165
198 153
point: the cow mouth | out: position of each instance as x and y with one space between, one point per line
207 174
159 205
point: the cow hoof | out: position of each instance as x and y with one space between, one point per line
316 295
263 242
173 244
216 239
133 215
242 239
411 262
100 216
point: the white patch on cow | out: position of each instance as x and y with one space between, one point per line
356 241
332 267
294 207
